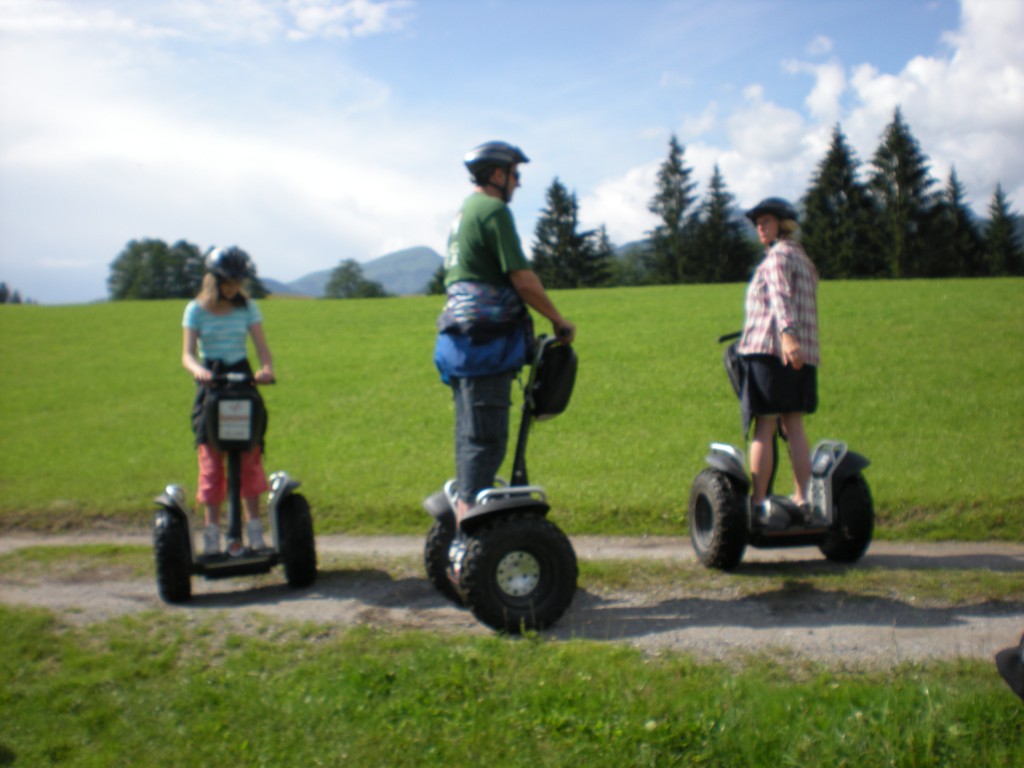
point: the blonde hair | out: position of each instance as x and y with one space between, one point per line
788 227
209 294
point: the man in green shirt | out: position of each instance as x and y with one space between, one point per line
485 327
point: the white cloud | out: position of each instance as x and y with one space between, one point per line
132 154
819 46
824 100
701 124
675 80
349 18
764 131
620 204
966 110
249 121
259 21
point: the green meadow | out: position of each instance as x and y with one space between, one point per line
923 377
161 689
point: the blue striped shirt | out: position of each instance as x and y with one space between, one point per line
222 337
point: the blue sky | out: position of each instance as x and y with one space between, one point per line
312 131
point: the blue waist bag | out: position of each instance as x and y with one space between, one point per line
459 356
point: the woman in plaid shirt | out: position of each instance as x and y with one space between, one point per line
779 348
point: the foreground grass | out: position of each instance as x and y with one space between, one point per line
921 376
160 689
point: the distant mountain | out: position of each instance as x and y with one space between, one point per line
312 284
276 286
402 273
632 247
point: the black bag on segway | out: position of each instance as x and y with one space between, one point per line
235 417
734 368
554 379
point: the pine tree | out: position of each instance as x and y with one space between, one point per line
562 256
630 265
956 243
602 256
670 240
721 251
1003 250
900 185
436 284
836 227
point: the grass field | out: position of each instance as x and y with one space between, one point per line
923 377
162 689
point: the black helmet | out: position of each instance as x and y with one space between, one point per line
776 206
493 154
231 263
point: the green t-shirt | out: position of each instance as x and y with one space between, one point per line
483 245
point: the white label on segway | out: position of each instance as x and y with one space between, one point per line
234 419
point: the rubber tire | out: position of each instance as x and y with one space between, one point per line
298 544
435 557
850 536
536 537
718 520
173 559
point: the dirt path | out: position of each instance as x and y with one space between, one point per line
794 619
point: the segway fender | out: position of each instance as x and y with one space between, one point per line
852 464
728 461
173 502
521 505
438 505
281 484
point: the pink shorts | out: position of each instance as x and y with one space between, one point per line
213 481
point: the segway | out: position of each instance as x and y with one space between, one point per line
839 518
235 416
511 566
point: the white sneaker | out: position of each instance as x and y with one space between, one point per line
254 532
211 539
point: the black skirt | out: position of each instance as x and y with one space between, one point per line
769 388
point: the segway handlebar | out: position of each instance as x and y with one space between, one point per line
237 377
729 337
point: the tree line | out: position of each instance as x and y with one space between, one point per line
889 222
12 296
890 219
151 269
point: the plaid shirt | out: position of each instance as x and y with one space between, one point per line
782 294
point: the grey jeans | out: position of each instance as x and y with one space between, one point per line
481 430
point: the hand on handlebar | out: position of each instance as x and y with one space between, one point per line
565 332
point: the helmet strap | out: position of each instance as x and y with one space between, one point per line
503 191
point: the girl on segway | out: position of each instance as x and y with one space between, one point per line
216 325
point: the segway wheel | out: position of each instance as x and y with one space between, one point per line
173 557
850 535
718 524
519 573
298 545
435 557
